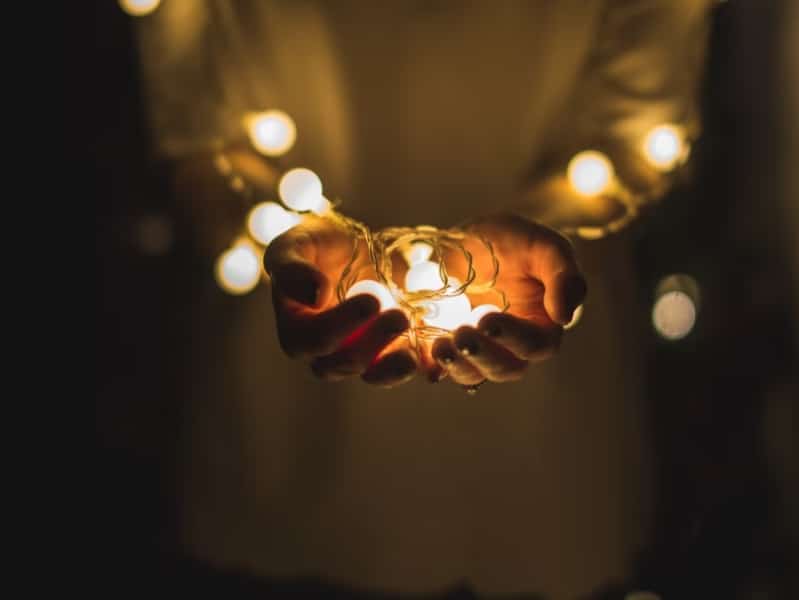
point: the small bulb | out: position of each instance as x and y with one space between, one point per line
479 312
238 269
578 312
449 313
139 8
424 275
272 132
268 220
376 289
301 190
590 173
674 315
417 253
664 147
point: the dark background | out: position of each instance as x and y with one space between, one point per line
722 528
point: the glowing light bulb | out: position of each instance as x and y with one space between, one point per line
676 306
578 312
478 312
376 289
590 173
301 190
139 8
272 132
424 275
674 315
449 313
238 269
417 253
664 147
269 220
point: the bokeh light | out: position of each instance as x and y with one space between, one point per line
590 173
272 132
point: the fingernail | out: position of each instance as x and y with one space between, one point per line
365 306
469 348
396 323
447 358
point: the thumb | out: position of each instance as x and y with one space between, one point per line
291 262
563 293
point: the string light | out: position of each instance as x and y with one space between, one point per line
435 302
272 132
139 8
238 269
376 289
664 147
268 220
301 190
590 173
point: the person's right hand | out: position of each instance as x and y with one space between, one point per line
339 339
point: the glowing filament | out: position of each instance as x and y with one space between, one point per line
271 133
590 173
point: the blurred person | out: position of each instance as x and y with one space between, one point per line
421 113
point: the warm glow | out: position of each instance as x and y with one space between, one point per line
590 173
417 253
664 147
272 133
269 220
450 312
674 315
301 190
238 269
578 312
480 311
139 8
376 289
424 275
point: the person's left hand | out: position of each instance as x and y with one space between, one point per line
543 286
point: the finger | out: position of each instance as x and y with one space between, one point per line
459 369
358 351
291 262
305 334
523 338
392 368
552 262
495 362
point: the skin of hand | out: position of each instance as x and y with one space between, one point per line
351 338
538 274
543 285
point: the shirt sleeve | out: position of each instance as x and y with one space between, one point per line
644 70
188 105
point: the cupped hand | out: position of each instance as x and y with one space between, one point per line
340 340
543 286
